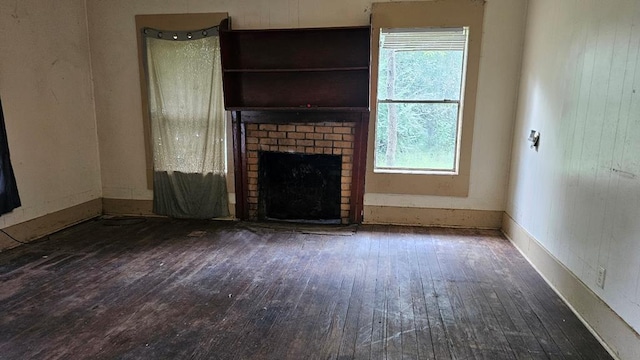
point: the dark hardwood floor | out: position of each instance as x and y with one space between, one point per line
146 289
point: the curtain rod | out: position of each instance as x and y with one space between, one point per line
180 35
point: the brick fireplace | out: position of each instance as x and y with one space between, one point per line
298 91
341 134
329 138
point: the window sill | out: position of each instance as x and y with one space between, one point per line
415 172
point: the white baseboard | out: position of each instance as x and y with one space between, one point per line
459 218
50 223
127 207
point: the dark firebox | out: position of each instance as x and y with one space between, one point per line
299 186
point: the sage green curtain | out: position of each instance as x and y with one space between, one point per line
188 127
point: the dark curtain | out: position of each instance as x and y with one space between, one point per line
9 198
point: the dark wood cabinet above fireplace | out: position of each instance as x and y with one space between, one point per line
296 69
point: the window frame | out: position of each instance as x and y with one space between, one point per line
428 14
459 104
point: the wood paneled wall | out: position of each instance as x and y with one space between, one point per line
579 194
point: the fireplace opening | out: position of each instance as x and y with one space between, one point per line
299 187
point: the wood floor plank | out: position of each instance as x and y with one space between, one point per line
310 306
518 334
365 260
65 290
270 310
317 318
459 331
421 320
379 330
327 324
417 317
144 288
487 329
404 266
249 307
290 302
365 319
424 251
394 332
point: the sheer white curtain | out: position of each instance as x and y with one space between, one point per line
188 127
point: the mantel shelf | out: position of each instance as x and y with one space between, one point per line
322 30
301 108
351 68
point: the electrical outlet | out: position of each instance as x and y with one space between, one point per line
602 272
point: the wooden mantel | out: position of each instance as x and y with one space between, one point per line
295 76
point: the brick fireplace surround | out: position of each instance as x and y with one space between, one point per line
331 133
330 138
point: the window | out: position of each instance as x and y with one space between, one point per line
183 115
421 73
405 17
173 22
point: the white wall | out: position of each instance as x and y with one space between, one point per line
114 59
45 84
579 195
